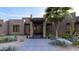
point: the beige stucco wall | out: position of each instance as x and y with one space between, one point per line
21 38
2 27
28 21
16 22
5 27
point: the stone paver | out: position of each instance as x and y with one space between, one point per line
37 45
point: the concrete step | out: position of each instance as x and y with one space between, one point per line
36 37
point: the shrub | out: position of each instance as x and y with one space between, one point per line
51 36
66 36
10 48
76 43
61 42
7 39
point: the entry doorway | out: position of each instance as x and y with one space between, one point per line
38 28
26 29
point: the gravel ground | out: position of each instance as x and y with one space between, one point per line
70 48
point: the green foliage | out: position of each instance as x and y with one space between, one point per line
76 43
7 39
66 36
10 48
56 13
60 42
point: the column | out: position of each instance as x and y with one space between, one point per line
31 29
44 29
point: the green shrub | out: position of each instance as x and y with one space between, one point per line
66 36
76 43
10 48
7 39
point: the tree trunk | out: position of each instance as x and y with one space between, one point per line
56 30
56 33
71 28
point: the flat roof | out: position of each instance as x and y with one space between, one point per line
37 19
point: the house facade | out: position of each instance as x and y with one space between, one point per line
36 26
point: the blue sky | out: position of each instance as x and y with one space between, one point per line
19 12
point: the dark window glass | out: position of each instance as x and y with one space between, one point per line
0 25
68 28
48 28
16 28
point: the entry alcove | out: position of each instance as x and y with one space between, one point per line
37 26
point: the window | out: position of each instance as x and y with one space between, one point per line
68 28
0 25
76 26
49 28
68 24
16 28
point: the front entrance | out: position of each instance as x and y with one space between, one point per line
26 29
38 29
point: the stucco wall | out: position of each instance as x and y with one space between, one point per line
2 27
16 22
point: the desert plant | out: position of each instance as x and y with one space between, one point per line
7 39
76 43
66 36
61 42
10 48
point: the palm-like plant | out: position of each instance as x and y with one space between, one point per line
56 15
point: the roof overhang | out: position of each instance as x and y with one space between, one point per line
37 20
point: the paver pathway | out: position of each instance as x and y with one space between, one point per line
37 45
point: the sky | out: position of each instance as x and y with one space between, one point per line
19 12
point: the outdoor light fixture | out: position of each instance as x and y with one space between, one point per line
24 20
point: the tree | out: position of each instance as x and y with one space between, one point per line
56 15
72 25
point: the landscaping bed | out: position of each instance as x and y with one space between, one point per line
4 39
9 48
65 40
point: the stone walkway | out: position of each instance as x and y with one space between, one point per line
37 45
43 45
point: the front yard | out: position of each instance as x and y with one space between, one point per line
21 43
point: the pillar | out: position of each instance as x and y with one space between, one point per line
44 29
31 29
